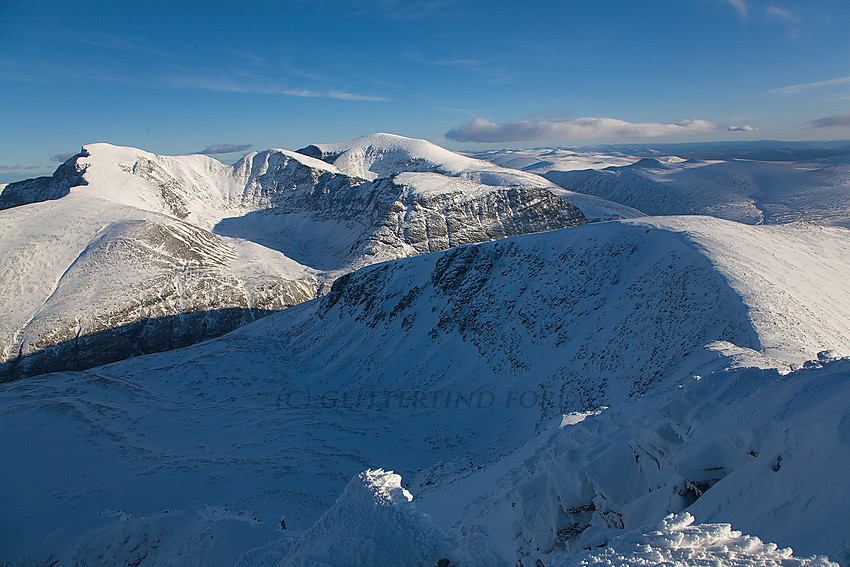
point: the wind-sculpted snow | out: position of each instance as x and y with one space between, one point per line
438 367
677 542
750 447
375 522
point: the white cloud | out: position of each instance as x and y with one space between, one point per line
794 89
744 128
838 120
254 85
482 130
224 149
340 95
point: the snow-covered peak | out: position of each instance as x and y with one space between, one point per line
383 155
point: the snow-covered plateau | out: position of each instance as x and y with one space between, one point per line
762 185
431 361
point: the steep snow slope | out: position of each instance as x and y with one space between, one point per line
88 281
746 191
434 366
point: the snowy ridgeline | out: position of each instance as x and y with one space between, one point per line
753 447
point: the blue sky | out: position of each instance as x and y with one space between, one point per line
179 77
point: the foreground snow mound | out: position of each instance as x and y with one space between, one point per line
375 523
677 542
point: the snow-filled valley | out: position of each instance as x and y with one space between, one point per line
380 352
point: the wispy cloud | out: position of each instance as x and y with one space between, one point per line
482 130
740 6
491 69
744 128
339 95
224 149
248 84
782 14
107 41
179 76
61 158
838 120
408 10
787 18
794 89
11 168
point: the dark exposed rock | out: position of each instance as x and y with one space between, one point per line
50 188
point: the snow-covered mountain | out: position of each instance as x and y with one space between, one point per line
747 191
310 210
102 255
381 155
443 367
89 281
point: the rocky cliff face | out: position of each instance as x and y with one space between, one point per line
67 175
